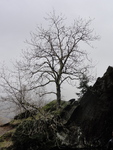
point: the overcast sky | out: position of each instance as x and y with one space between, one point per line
19 17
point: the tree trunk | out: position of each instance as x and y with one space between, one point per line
58 95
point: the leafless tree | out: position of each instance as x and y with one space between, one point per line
55 55
14 91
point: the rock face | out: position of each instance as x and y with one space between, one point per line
94 115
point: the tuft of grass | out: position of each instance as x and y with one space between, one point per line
6 140
7 136
15 123
5 145
52 107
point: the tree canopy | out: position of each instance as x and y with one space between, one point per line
55 55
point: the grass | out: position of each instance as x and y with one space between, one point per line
15 123
5 140
7 135
5 145
51 107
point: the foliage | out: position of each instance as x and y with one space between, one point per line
35 134
83 85
41 133
28 133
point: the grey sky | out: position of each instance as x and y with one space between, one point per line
19 17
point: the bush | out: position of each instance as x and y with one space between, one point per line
34 134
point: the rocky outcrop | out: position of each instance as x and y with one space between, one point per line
67 112
87 123
94 115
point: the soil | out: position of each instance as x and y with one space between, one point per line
4 126
4 129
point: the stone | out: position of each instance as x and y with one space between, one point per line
94 115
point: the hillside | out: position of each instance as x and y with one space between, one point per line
83 124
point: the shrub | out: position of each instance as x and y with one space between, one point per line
34 134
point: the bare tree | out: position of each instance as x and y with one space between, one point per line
14 91
55 55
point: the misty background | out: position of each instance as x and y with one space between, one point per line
20 17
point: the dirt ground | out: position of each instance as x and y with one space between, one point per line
4 130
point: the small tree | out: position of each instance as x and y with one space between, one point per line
83 85
12 87
55 55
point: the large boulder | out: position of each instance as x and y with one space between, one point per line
94 115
